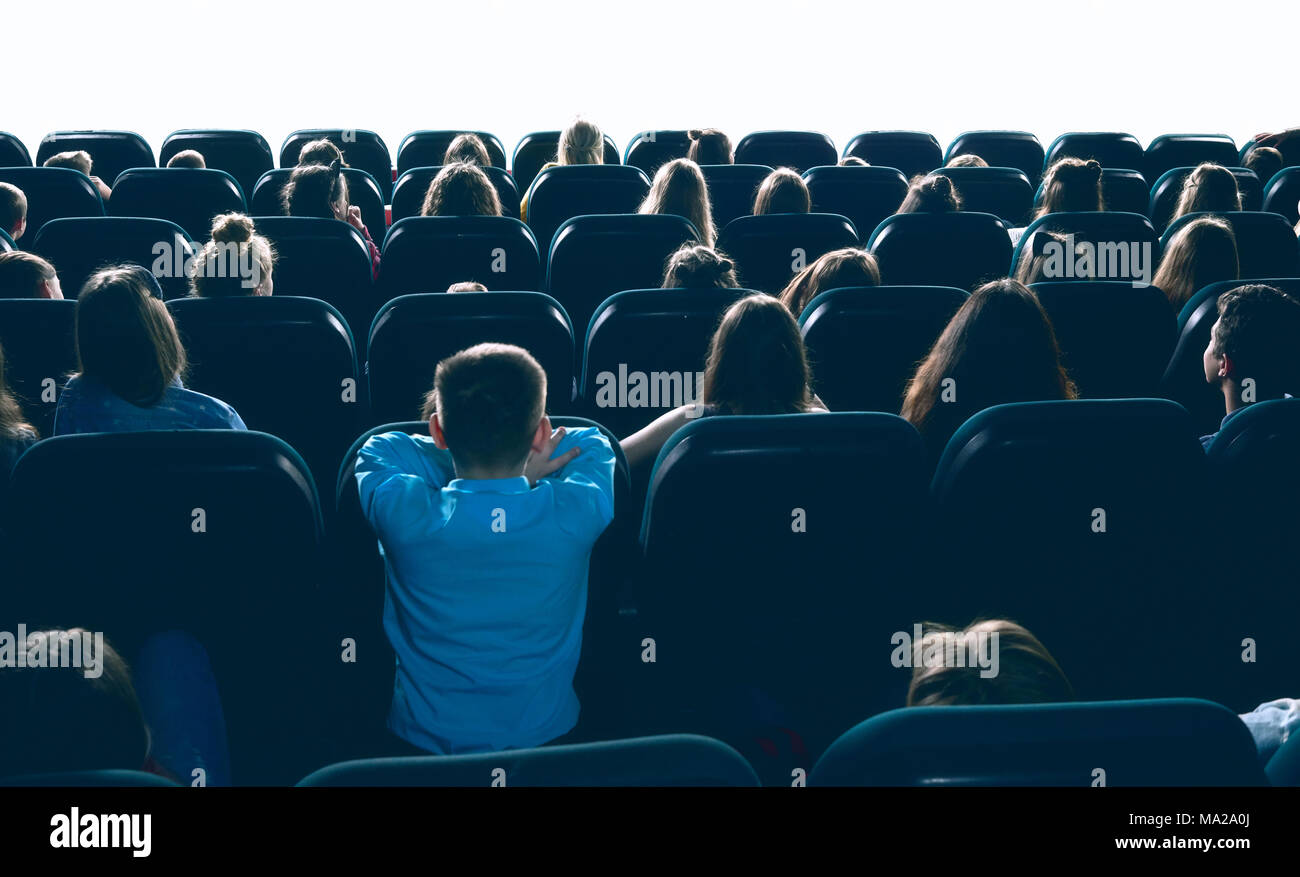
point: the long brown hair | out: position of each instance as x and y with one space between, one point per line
1208 188
757 363
782 191
12 419
709 146
847 267
999 347
316 190
1071 185
1202 252
679 189
461 189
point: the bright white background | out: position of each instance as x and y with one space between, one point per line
514 67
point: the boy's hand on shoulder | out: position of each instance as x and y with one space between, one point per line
540 465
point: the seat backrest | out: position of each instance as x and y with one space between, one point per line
1282 193
1166 190
645 353
1172 742
1184 150
740 510
111 152
770 250
288 366
732 189
430 253
1003 191
864 343
83 779
245 155
325 259
429 148
866 195
53 193
1266 242
1122 189
12 151
797 150
413 185
413 333
1110 149
1017 149
1095 319
650 150
561 193
189 197
1125 246
941 249
79 246
1115 486
1289 147
363 191
39 340
538 148
364 150
912 152
670 760
593 257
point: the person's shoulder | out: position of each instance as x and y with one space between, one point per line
398 440
207 407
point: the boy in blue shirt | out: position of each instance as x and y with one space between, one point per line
486 527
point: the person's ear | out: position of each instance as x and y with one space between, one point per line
541 435
1226 366
435 430
19 229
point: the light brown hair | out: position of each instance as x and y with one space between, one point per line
782 191
461 189
1071 185
1202 252
679 190
847 267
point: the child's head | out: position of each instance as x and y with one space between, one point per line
968 159
679 189
467 148
853 161
467 286
999 347
237 261
316 190
26 275
488 407
757 363
709 146
931 193
65 718
187 158
126 339
321 151
1202 252
782 191
950 667
1254 338
78 161
1208 188
847 267
581 143
13 210
1071 185
12 419
461 189
696 266
1265 161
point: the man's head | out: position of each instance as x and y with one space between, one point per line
488 407
1255 339
77 160
13 210
26 275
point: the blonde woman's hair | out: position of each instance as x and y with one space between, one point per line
187 158
679 189
1071 185
77 160
847 267
1208 188
581 143
237 261
782 191
1200 253
968 159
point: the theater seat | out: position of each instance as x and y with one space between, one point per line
1003 191
1110 149
865 195
413 333
941 249
650 150
1266 242
864 342
671 760
12 151
732 189
1126 246
912 152
89 779
746 639
1095 318
429 148
40 350
245 155
561 193
430 253
1169 186
1017 149
77 247
189 197
363 192
1174 742
1187 150
1282 193
1077 520
413 185
364 150
111 152
538 148
770 250
1289 148
593 257
797 150
53 193
1283 768
1122 189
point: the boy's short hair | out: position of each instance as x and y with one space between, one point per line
22 274
489 400
467 286
187 158
13 207
1257 328
78 160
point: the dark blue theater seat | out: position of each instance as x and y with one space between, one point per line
111 152
12 151
429 148
1166 190
941 249
866 195
732 189
413 185
1017 149
1003 191
40 350
797 150
649 150
1187 150
1110 149
77 247
363 191
770 250
1266 242
561 193
1126 246
430 253
53 193
189 197
912 152
1282 193
364 150
538 148
245 155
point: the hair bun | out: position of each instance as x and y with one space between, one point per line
940 184
694 134
1094 169
234 228
725 265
